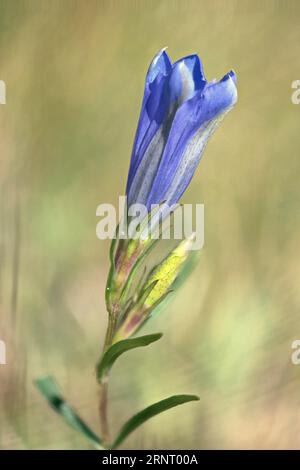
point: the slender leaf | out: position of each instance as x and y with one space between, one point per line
148 413
49 389
114 351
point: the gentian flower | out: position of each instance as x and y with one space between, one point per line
180 111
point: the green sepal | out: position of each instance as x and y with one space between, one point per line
149 245
166 272
187 269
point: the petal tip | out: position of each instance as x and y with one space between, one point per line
161 64
230 75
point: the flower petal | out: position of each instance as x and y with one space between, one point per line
138 191
187 77
153 111
161 64
193 124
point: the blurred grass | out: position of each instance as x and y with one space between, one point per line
74 72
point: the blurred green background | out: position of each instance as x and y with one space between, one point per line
74 72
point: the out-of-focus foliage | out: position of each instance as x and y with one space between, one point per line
74 73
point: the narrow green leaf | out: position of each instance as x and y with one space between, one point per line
114 351
49 389
148 413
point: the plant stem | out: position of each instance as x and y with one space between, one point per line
103 398
111 327
103 392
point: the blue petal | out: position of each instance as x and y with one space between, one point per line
153 116
166 88
161 64
141 184
187 77
180 111
231 74
154 109
193 124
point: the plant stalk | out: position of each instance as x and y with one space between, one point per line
103 391
103 399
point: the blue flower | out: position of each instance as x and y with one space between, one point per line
180 111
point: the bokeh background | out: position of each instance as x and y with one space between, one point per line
74 72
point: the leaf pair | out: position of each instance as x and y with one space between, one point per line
49 389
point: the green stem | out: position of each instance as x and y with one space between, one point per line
103 391
111 328
103 399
